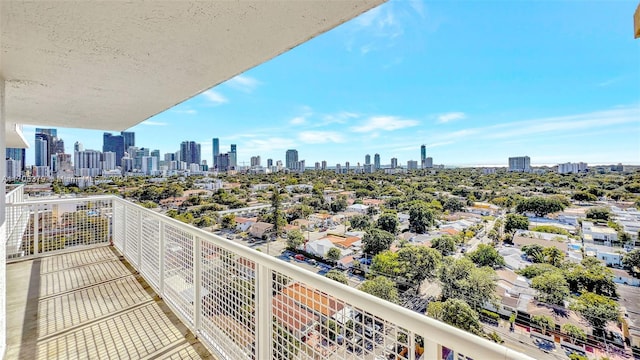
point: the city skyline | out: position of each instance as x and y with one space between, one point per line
400 76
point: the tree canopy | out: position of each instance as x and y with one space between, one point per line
552 286
388 221
486 255
514 222
376 241
456 312
445 244
381 287
596 309
461 279
421 218
540 206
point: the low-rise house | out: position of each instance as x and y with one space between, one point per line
594 232
376 203
315 301
623 277
319 219
291 315
345 263
260 229
243 224
522 239
319 247
302 223
608 255
358 208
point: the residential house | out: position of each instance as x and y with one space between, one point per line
592 232
522 238
319 219
358 208
345 263
243 224
319 247
260 229
375 203
624 277
289 314
321 304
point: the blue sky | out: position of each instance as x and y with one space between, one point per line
476 82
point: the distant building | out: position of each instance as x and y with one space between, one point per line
394 163
367 159
423 156
571 168
233 157
269 163
488 171
115 144
291 159
18 155
412 165
428 163
324 165
376 162
216 151
190 152
129 138
520 164
255 161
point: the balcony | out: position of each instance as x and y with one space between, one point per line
83 274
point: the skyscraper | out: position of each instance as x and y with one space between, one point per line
423 156
367 159
233 157
394 163
41 150
17 155
291 159
376 162
190 152
269 163
78 146
129 139
216 151
520 164
115 144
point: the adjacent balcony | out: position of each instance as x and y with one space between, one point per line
101 277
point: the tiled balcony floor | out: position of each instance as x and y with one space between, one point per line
89 304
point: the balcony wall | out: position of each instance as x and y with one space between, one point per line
239 302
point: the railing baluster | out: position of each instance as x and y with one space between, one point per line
162 257
197 284
263 312
36 229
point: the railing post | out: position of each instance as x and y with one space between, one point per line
124 228
431 350
197 283
161 254
139 241
412 345
36 227
263 306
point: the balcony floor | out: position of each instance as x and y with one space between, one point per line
89 304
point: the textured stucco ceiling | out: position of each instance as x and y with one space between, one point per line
110 65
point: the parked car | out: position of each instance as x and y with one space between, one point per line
299 257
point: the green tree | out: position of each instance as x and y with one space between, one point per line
534 270
552 255
285 344
381 287
338 276
386 263
574 332
534 252
418 263
294 239
461 279
334 254
543 322
420 218
599 213
276 211
552 287
584 196
445 244
540 206
340 204
456 312
631 261
388 221
453 205
514 222
360 222
376 241
486 255
228 221
203 221
596 309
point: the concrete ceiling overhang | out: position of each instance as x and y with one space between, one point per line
110 65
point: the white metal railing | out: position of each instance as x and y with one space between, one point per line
243 304
15 194
44 226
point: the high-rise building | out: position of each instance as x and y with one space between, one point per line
423 156
149 165
376 162
115 144
87 163
47 144
168 157
255 161
317 167
78 146
109 159
569 168
412 165
394 163
520 164
428 163
216 151
156 154
347 167
190 152
291 159
14 168
338 169
233 157
16 154
41 151
129 139
324 165
269 163
367 159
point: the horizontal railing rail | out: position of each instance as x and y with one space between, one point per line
240 302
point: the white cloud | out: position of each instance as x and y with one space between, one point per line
451 116
320 137
298 120
215 97
338 118
153 123
243 83
388 123
381 23
260 146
